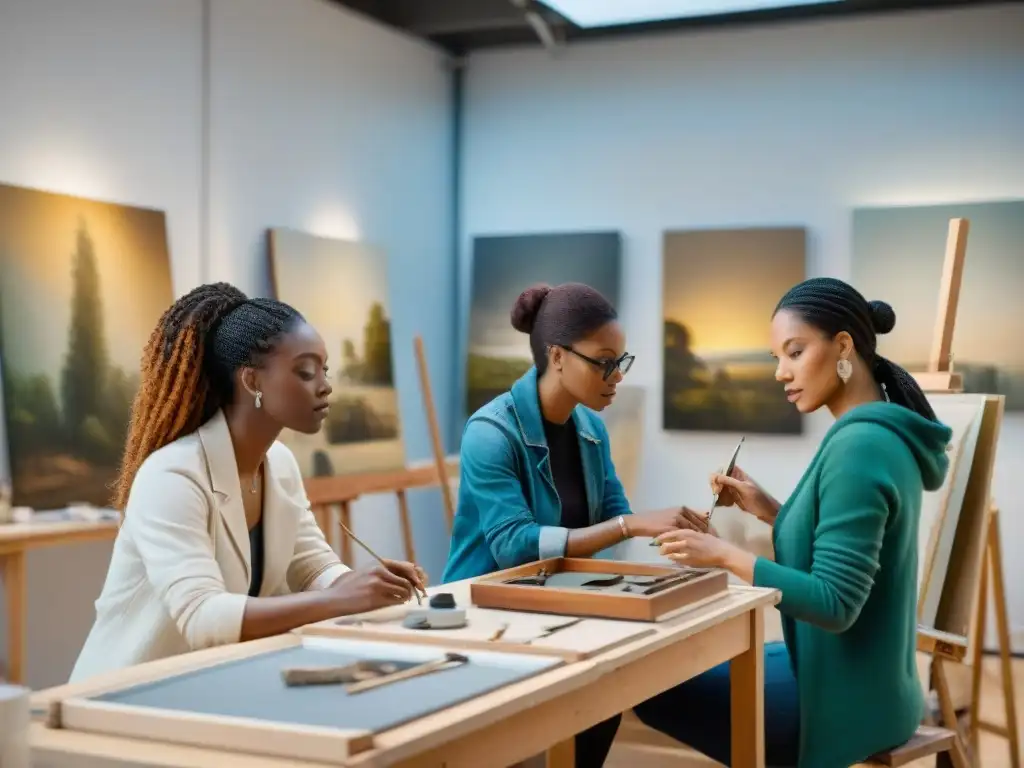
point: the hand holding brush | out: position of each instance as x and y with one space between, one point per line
412 573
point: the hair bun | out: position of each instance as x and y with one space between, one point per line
883 318
524 313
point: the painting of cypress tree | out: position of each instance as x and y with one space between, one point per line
347 303
82 284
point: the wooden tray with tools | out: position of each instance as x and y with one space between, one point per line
609 589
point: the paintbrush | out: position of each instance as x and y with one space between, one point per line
378 558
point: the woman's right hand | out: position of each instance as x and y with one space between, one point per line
738 490
372 587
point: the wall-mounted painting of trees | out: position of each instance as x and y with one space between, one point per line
506 265
341 288
82 285
720 287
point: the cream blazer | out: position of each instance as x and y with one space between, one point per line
179 576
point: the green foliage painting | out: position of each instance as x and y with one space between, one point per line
82 284
341 289
503 267
718 374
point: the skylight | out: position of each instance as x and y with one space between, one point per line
605 13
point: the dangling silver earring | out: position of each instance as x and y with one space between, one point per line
845 369
885 394
259 399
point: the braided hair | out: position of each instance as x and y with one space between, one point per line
559 316
189 365
833 306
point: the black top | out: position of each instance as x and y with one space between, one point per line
567 471
256 550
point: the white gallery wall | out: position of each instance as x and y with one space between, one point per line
315 119
782 125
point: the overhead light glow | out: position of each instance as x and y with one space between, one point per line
606 13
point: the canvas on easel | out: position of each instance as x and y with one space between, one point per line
962 553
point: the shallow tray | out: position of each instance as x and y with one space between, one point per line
573 586
242 704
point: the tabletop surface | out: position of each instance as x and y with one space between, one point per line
458 721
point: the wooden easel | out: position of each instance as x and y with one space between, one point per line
977 553
342 490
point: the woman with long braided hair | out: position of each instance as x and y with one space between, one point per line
218 543
844 684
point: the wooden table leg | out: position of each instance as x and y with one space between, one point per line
746 677
14 589
562 755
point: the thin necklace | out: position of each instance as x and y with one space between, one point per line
255 479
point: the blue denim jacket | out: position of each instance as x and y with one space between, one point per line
509 512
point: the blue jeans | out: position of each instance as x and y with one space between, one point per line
697 712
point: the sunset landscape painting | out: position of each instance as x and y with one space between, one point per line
505 266
720 288
898 256
341 288
82 286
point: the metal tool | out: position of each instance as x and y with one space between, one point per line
728 472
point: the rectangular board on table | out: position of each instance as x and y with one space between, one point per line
493 630
610 589
243 703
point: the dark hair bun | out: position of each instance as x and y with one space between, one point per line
883 318
524 313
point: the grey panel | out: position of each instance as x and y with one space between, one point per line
253 688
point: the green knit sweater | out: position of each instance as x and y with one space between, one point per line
846 563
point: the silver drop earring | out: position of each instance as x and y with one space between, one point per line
259 399
885 394
845 369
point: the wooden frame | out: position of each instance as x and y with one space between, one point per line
490 591
79 711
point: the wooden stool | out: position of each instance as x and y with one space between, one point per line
928 741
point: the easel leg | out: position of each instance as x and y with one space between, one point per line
346 542
995 563
958 755
978 660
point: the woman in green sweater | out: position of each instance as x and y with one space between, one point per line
844 684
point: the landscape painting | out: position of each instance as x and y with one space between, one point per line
341 288
503 267
82 286
720 288
898 256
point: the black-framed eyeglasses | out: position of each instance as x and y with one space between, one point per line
608 367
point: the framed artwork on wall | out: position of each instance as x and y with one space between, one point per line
341 288
720 287
82 286
898 254
506 265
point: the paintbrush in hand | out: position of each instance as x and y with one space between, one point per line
378 558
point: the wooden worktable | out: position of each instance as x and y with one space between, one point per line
15 540
509 725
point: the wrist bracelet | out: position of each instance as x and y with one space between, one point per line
622 525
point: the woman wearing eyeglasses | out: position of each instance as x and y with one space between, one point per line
537 479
